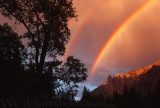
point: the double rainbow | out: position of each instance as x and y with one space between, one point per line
112 37
117 32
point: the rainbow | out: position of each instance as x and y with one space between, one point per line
78 30
117 32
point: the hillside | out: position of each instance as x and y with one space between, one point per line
143 80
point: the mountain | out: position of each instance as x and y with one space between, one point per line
143 80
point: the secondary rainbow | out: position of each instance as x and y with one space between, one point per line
78 30
117 31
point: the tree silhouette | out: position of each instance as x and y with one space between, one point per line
46 22
86 94
12 55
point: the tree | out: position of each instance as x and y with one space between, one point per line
46 22
73 71
86 94
11 47
70 74
12 55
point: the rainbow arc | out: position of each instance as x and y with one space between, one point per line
78 30
117 32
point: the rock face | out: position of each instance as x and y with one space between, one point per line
144 80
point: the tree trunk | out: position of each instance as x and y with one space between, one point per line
44 51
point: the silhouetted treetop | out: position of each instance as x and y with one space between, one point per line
74 71
86 94
46 22
12 61
10 45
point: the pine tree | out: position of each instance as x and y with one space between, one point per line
86 94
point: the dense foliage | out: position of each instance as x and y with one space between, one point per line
24 70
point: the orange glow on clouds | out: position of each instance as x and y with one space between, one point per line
117 32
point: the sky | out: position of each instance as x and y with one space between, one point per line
136 45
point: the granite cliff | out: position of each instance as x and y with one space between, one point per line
143 80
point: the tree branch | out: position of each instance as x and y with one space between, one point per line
23 22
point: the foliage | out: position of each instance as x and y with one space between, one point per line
46 22
85 94
12 55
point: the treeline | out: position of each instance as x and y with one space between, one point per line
130 98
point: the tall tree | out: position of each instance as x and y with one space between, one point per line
12 55
86 94
46 22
